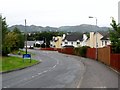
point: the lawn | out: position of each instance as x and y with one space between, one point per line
12 63
21 52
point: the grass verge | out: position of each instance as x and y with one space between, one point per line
12 63
21 52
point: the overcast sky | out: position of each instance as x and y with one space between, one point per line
58 13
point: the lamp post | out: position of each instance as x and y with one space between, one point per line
0 35
96 38
25 37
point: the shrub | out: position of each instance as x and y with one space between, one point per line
81 51
37 45
43 45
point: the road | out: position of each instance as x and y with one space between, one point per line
56 71
61 71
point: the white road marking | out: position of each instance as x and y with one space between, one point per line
38 74
45 71
32 76
80 82
54 66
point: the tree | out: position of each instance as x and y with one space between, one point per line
11 41
20 38
115 36
5 49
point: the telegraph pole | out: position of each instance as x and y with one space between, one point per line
25 36
0 36
96 39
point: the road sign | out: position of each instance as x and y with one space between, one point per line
27 56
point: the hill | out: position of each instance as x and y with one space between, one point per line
78 28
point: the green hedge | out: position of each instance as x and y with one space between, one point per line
81 51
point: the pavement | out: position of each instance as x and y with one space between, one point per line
98 75
61 71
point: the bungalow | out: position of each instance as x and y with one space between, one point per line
30 44
74 40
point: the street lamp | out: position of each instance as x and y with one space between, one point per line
96 38
25 37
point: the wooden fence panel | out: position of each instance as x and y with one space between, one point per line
104 55
115 61
91 53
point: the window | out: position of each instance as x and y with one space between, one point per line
78 42
105 42
102 43
71 42
66 42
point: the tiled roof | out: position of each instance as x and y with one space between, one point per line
106 37
73 37
103 33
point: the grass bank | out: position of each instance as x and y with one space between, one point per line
12 63
21 52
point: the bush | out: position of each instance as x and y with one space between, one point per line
47 45
37 45
76 51
43 45
81 51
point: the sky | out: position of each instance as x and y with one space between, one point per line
56 13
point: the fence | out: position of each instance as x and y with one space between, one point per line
105 56
48 49
91 53
115 61
67 50
61 50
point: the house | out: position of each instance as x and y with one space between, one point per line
105 40
102 39
74 40
56 42
38 42
30 44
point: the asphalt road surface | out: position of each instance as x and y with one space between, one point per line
55 71
61 71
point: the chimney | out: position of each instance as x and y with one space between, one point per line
63 36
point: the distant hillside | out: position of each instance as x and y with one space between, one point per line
33 28
79 28
83 28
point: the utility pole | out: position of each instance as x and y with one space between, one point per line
96 38
0 36
25 36
119 12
